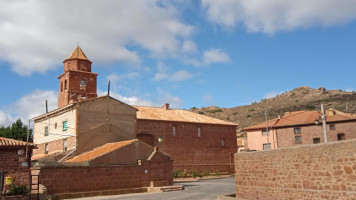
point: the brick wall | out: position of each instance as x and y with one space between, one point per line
320 171
286 136
189 150
65 179
12 163
54 146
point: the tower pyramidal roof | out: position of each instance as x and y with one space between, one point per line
77 54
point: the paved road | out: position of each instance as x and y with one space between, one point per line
199 190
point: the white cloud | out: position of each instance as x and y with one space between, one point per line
189 46
211 56
270 16
114 78
272 94
163 74
37 35
180 76
215 56
133 100
29 106
350 90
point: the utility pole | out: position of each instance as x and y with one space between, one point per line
28 136
267 127
324 124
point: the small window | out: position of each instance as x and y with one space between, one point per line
297 130
316 140
298 139
65 145
46 148
46 131
199 132
174 130
61 86
223 142
65 84
332 126
55 125
266 146
65 125
340 136
264 132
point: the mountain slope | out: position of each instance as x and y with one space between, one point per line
302 98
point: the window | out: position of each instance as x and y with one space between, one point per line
46 148
340 136
46 131
264 132
266 146
65 145
55 125
316 140
298 139
223 142
332 126
61 86
65 126
65 84
297 130
198 131
174 130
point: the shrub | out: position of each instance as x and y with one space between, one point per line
194 174
200 175
200 112
214 111
206 173
176 174
251 110
235 113
17 189
193 108
310 107
248 116
217 173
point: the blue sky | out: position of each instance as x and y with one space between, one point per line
190 54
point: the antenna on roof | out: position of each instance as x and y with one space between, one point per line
267 128
109 88
46 106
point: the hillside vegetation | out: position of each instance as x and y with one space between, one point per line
302 98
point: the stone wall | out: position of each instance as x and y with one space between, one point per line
15 163
211 150
79 181
320 171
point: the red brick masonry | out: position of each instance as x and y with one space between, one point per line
65 179
11 162
321 171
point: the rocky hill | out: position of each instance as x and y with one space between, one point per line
302 98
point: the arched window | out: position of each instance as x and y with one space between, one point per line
65 84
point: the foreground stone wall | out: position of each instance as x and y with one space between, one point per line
90 180
321 171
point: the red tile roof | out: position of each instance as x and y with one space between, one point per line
6 142
77 54
100 151
153 113
304 118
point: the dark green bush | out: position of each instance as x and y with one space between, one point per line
17 190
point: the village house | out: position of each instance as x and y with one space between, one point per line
301 128
84 122
15 162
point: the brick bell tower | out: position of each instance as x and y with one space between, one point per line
77 82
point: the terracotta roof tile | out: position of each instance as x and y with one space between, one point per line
153 113
304 117
6 142
100 151
262 125
77 54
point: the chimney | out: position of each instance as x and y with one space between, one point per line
279 116
331 112
166 106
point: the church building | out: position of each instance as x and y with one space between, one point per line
83 121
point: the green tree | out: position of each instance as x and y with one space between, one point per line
17 131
